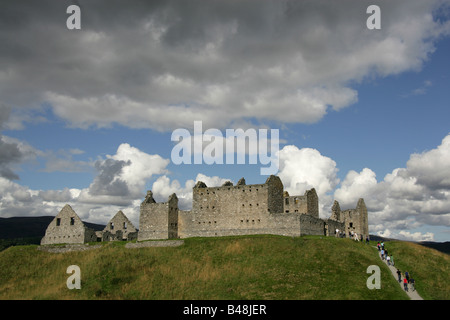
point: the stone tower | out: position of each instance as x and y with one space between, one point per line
158 220
355 220
336 211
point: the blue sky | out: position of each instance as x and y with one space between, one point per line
87 115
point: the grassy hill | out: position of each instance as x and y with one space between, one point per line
250 267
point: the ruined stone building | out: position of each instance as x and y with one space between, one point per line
67 227
306 204
222 211
118 228
354 220
245 209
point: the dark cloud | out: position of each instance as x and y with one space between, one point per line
108 181
164 64
11 152
9 155
63 196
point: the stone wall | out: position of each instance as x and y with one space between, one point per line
240 200
226 210
310 225
313 202
336 211
295 204
275 194
332 225
232 210
173 216
267 223
153 221
306 204
363 218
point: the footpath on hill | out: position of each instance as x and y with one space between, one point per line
413 295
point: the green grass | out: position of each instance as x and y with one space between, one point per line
250 267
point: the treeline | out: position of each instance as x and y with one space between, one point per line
6 243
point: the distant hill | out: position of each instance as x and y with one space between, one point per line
440 246
30 227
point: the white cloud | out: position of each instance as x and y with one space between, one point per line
303 169
408 236
356 185
432 168
142 166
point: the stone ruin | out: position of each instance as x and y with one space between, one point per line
68 228
219 211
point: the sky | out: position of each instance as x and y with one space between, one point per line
87 115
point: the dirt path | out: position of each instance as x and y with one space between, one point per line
413 295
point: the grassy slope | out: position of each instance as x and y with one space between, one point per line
429 267
253 267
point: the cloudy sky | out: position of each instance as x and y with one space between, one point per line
86 116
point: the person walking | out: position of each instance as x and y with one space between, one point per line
412 282
379 246
407 276
388 260
399 274
382 254
405 284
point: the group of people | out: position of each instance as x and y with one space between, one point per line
352 235
384 254
407 278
